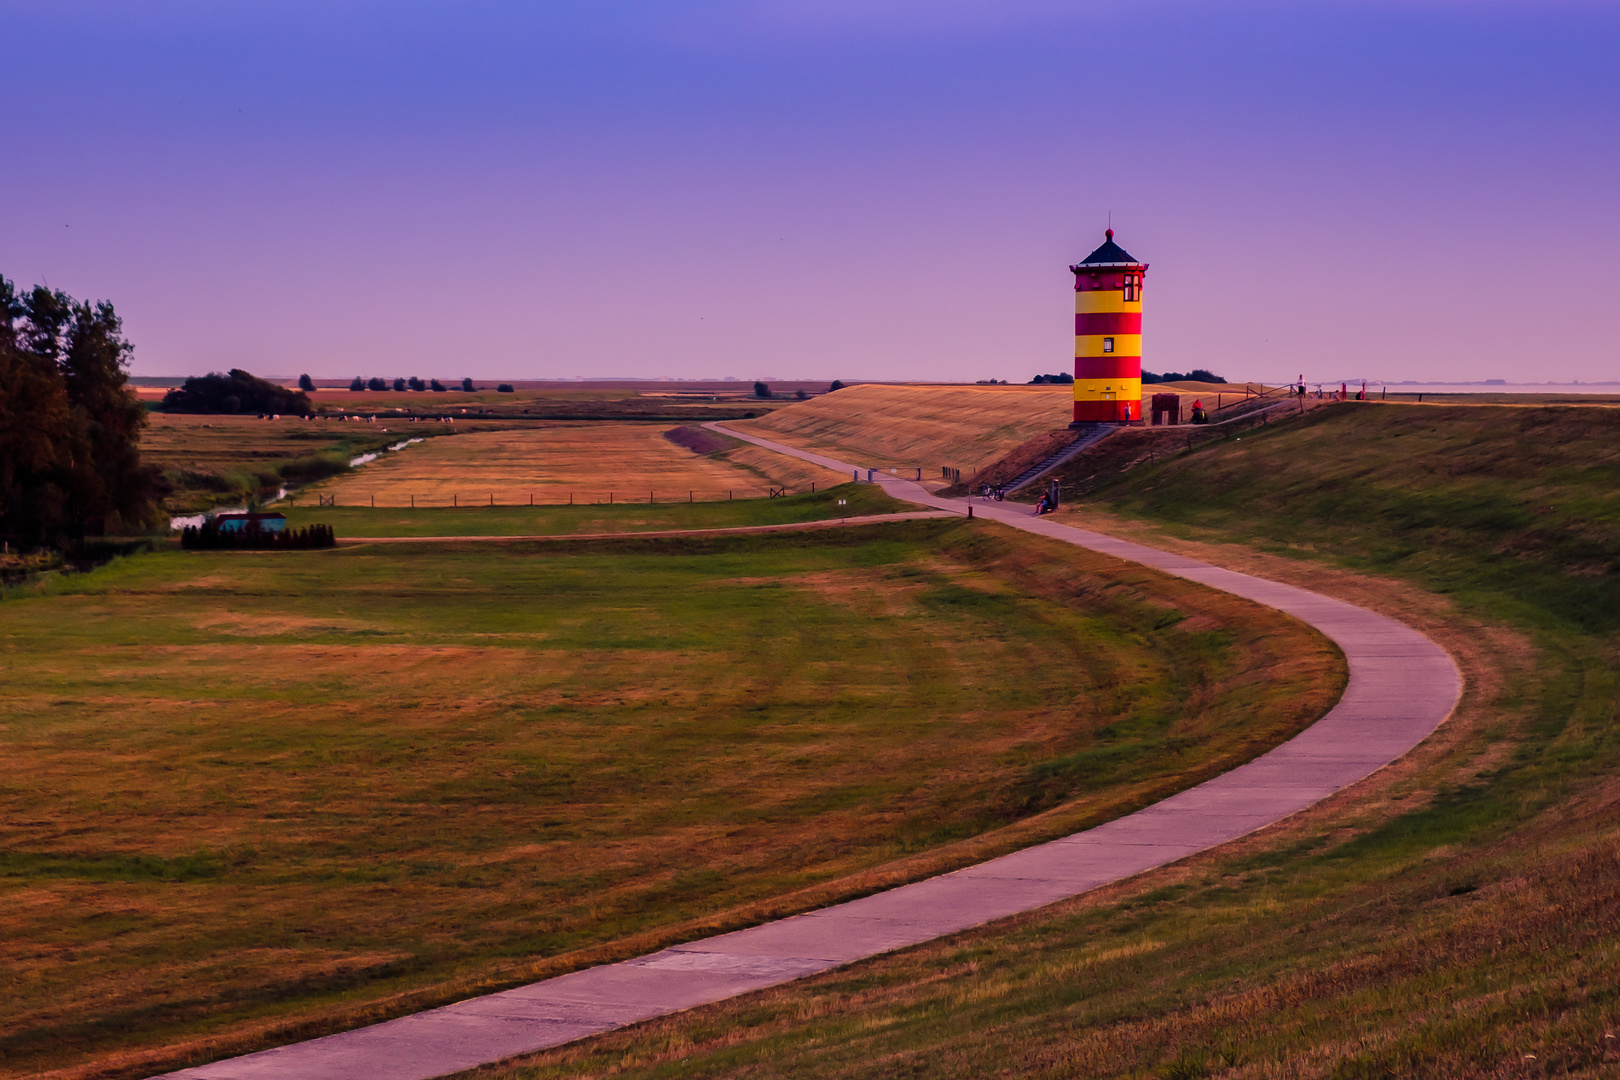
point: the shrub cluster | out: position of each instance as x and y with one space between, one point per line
210 537
238 391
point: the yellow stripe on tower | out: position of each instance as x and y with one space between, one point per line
1092 345
1108 390
1104 300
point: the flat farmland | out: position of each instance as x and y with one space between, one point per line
252 796
597 462
358 522
206 458
926 427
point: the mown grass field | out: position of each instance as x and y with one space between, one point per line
623 517
256 796
587 463
1457 915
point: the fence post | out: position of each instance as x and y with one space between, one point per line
531 498
689 496
455 500
492 498
374 502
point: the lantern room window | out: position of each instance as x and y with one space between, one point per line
1108 344
1133 284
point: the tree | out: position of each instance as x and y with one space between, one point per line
374 383
399 385
415 384
238 391
436 386
69 425
306 384
836 385
504 388
466 384
801 395
761 390
357 384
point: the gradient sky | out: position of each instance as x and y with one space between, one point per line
879 189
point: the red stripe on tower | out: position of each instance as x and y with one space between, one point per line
1108 367
1108 322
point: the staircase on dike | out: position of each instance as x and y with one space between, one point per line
1085 437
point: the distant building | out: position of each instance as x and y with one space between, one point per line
1108 336
244 522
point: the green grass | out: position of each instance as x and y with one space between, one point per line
859 499
253 796
1462 919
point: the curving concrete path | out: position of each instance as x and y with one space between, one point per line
1402 686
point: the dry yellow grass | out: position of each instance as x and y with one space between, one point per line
965 427
592 462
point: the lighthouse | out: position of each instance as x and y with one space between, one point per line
1108 336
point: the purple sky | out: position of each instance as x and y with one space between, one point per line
883 189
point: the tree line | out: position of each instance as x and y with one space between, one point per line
70 426
401 385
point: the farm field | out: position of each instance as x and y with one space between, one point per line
589 463
350 522
207 458
252 795
1456 916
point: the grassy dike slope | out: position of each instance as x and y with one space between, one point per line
1458 915
252 797
876 426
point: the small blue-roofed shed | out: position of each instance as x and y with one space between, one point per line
245 522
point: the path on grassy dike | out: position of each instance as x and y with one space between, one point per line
1402 686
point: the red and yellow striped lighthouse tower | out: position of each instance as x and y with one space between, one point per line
1108 336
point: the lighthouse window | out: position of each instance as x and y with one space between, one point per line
1130 287
1108 344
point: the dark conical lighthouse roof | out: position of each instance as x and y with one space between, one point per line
1110 254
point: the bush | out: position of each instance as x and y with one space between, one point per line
1062 378
1195 375
399 384
415 384
836 385
761 390
210 537
357 384
235 392
504 388
466 384
801 395
436 386
306 384
375 383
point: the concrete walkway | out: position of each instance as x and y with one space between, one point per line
1402 686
